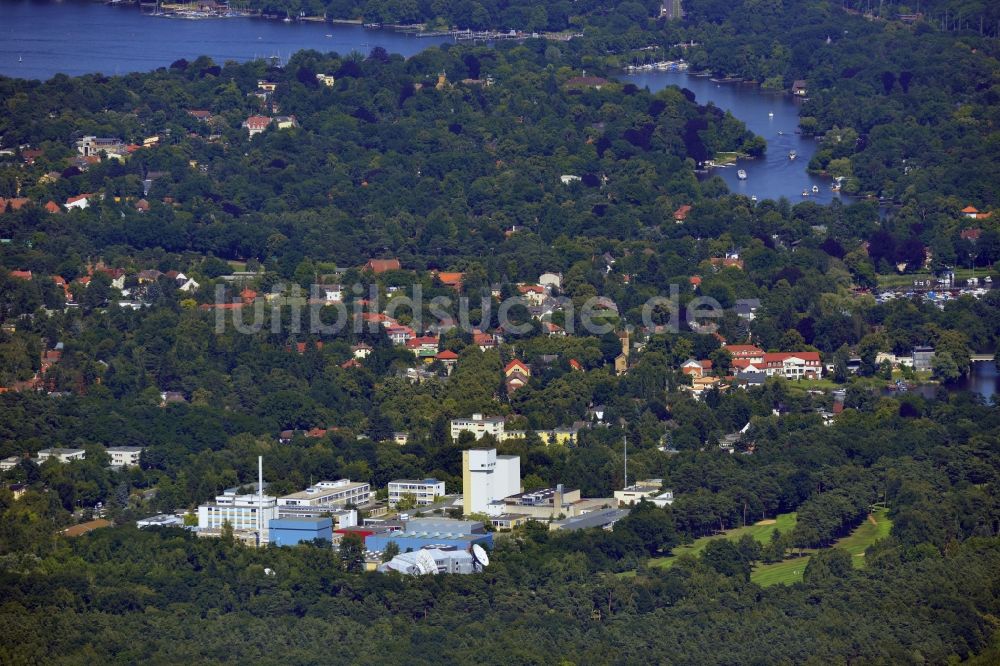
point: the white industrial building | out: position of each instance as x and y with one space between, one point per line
487 477
245 513
479 426
124 456
329 494
423 491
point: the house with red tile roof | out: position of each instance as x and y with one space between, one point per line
80 201
255 125
10 205
21 275
451 279
793 365
52 207
696 369
382 265
484 340
681 213
516 375
750 353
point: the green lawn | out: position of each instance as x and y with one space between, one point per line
890 280
760 531
791 570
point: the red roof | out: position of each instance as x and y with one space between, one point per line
780 357
447 355
483 339
682 212
382 265
533 288
970 209
350 363
695 280
52 207
516 364
575 364
23 275
257 122
78 198
12 204
451 279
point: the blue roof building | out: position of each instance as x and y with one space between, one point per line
292 531
424 532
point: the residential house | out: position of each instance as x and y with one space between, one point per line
696 369
266 86
9 463
681 213
378 266
80 201
451 279
448 358
326 79
516 375
973 213
400 334
285 122
255 125
361 350
484 340
333 293
793 365
425 347
746 308
532 293
10 205
91 146
749 353
21 275
799 87
200 114
52 208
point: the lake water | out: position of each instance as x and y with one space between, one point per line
40 39
774 175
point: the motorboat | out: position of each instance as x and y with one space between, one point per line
741 174
770 114
815 189
805 193
792 155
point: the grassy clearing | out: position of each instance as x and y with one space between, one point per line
893 280
791 570
760 531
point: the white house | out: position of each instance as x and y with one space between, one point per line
61 455
124 456
333 293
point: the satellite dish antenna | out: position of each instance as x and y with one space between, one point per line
426 563
479 554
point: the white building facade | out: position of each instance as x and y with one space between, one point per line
124 456
336 494
245 513
424 491
479 426
487 477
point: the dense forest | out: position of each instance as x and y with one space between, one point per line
502 163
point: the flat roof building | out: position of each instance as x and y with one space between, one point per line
424 491
329 494
293 531
632 494
549 503
124 456
479 426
